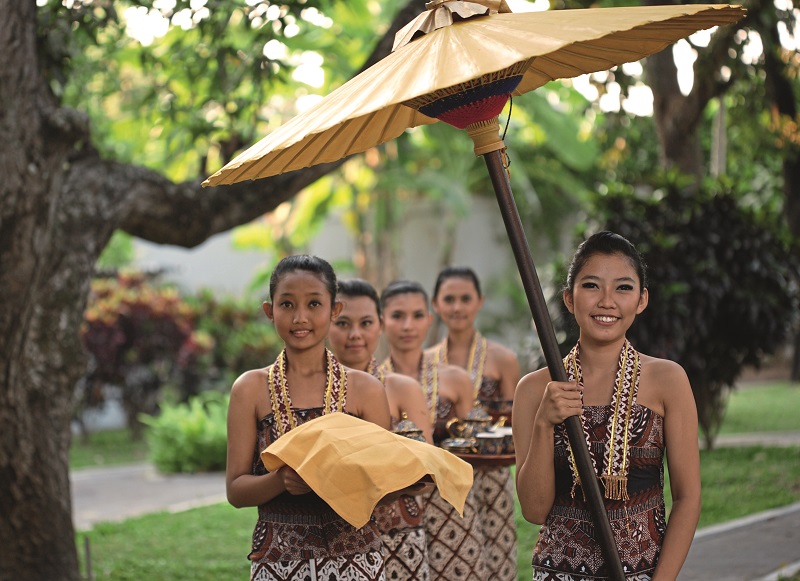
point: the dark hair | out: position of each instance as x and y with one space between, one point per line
358 287
312 264
402 287
606 242
456 272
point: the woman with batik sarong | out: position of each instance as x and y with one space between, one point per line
634 409
455 544
494 371
298 536
353 338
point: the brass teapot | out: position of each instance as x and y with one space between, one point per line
476 421
409 429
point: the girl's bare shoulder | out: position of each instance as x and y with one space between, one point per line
363 382
662 371
538 377
500 352
402 384
251 383
664 386
453 372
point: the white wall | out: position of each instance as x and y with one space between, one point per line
216 265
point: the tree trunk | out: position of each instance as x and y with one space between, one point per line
677 135
59 205
677 116
45 266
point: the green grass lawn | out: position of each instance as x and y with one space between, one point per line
106 448
767 407
202 544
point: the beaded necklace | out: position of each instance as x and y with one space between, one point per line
377 372
617 451
475 362
336 380
428 377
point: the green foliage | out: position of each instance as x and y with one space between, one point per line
191 436
131 323
723 284
198 81
242 338
140 336
118 253
143 337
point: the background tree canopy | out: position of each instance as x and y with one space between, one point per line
111 129
724 284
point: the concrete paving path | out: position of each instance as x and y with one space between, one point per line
122 492
761 547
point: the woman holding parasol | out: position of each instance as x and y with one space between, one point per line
633 409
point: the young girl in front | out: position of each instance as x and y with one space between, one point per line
494 371
633 409
354 337
298 536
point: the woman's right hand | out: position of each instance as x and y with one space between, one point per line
560 401
292 481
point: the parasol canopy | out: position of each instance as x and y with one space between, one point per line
372 108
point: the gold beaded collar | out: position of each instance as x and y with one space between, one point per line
336 385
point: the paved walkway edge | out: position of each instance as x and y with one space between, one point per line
783 572
746 521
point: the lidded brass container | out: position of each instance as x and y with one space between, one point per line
409 429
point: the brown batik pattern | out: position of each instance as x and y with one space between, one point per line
359 567
566 545
455 544
405 550
495 496
304 527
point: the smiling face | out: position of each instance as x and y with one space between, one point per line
406 321
606 297
355 332
457 303
301 309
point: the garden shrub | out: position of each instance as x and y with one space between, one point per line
140 336
191 436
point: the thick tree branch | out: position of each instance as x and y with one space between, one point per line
186 214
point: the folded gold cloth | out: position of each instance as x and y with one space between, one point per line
351 464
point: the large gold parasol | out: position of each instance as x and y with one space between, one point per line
460 62
373 107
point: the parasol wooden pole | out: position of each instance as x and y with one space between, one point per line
547 338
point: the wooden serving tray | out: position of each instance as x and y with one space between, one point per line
488 460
